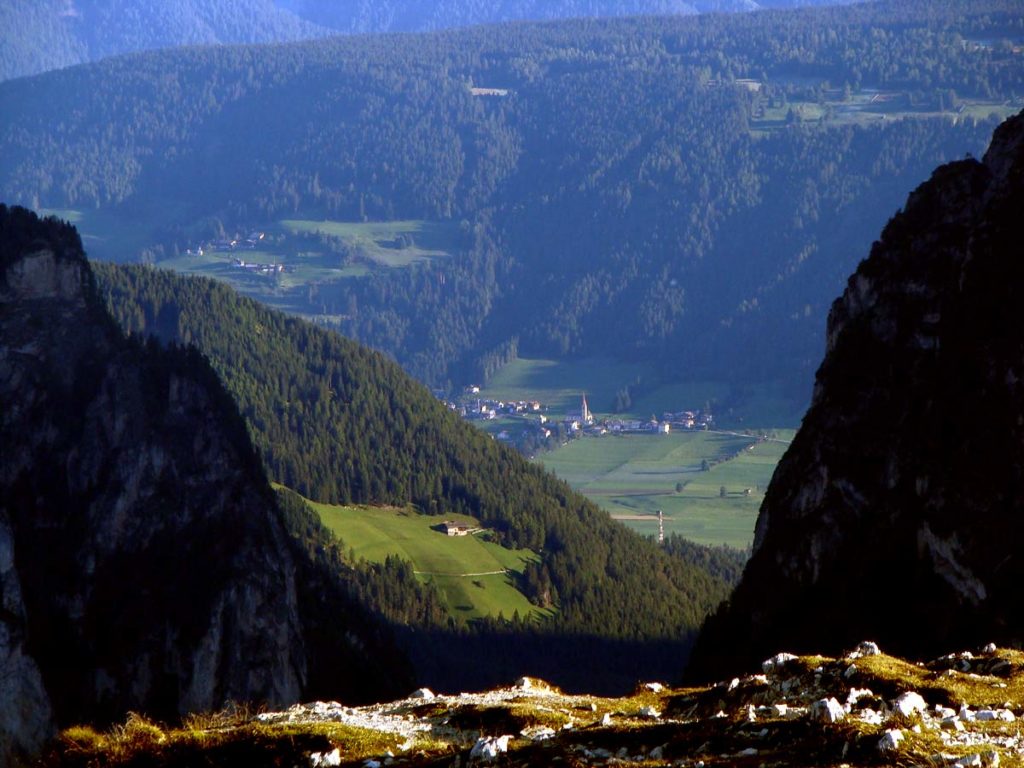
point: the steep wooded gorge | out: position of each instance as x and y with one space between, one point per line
896 513
147 565
688 192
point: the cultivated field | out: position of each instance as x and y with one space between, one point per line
633 476
475 576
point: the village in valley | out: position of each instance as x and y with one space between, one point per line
533 426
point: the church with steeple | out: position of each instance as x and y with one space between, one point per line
586 417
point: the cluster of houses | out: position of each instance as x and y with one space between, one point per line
577 422
249 243
485 409
263 269
229 245
583 421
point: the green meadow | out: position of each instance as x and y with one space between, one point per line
633 476
559 384
386 243
474 576
314 252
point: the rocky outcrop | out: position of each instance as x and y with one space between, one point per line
144 564
863 709
898 511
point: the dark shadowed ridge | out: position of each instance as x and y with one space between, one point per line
896 514
144 564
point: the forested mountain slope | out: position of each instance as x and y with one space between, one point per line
40 35
687 191
896 513
338 422
144 563
412 16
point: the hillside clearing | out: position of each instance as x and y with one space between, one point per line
476 577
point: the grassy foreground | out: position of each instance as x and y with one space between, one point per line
963 709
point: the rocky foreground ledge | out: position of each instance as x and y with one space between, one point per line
866 708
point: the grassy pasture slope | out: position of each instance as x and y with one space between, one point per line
374 533
378 240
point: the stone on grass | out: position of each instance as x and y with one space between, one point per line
990 648
890 740
909 703
422 693
1004 715
650 712
953 723
538 733
856 694
776 661
489 747
827 711
325 759
866 648
871 717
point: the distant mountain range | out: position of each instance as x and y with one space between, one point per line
683 193
40 35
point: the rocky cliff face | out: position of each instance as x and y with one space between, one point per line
143 562
898 512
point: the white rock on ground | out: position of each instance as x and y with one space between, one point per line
827 711
908 703
538 733
1004 715
990 648
866 648
890 740
856 694
489 747
654 687
953 723
423 693
325 759
650 712
871 717
776 661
